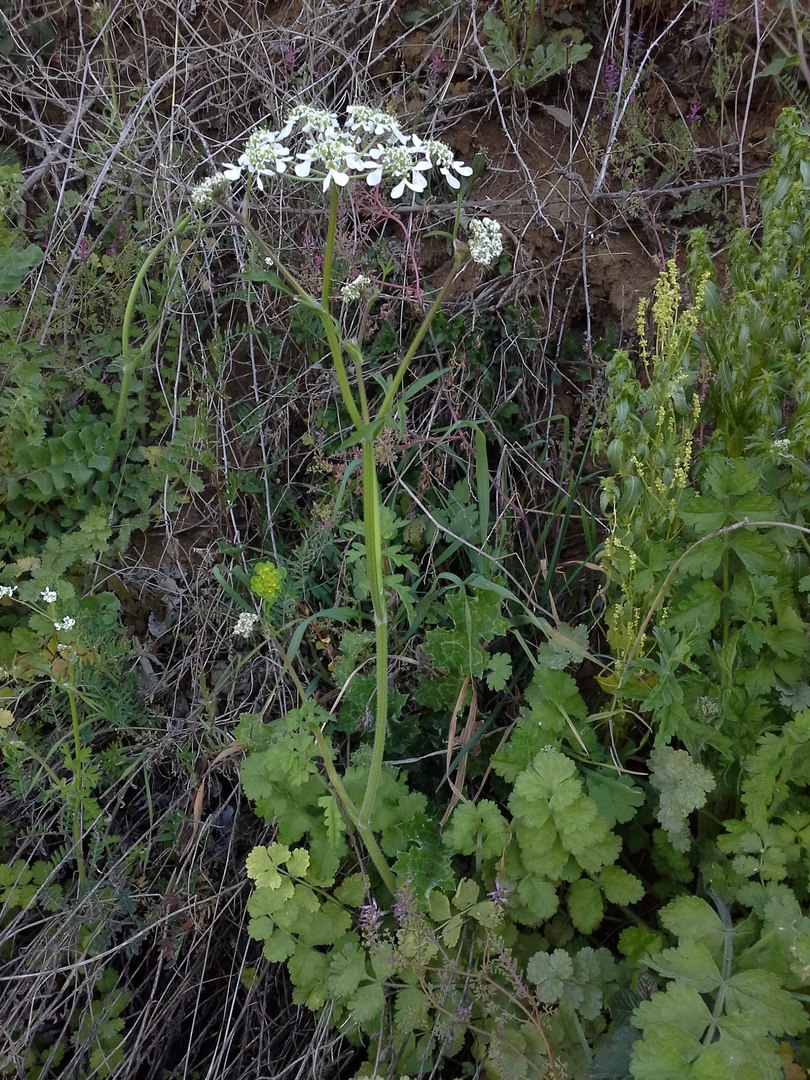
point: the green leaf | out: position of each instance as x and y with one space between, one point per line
298 862
585 905
692 919
347 970
351 891
499 672
366 1005
279 946
620 887
411 1010
550 972
333 820
15 263
692 963
477 828
439 906
768 1008
466 894
263 862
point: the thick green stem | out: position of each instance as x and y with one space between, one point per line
366 836
374 554
374 544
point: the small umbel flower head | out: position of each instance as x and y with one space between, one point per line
267 581
318 121
245 624
213 187
440 156
359 289
373 122
264 155
337 155
486 242
397 162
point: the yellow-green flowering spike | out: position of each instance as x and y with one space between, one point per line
267 581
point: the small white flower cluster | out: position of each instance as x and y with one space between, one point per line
359 289
486 241
781 446
48 595
369 144
65 624
245 625
6 591
213 187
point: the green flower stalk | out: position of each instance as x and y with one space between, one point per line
370 145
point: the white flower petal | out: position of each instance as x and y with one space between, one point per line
374 177
398 190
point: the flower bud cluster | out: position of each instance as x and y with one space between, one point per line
486 241
213 187
245 624
359 289
368 144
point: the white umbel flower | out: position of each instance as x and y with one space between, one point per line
65 624
318 121
245 625
373 122
48 595
356 290
212 187
441 157
7 591
337 155
486 241
264 155
397 162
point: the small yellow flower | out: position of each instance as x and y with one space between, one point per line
267 581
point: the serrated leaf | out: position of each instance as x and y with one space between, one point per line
347 970
263 862
351 892
439 906
692 919
411 1010
298 862
499 671
477 828
279 946
679 1006
769 1009
466 894
692 963
550 973
333 820
366 1004
451 931
620 887
585 906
